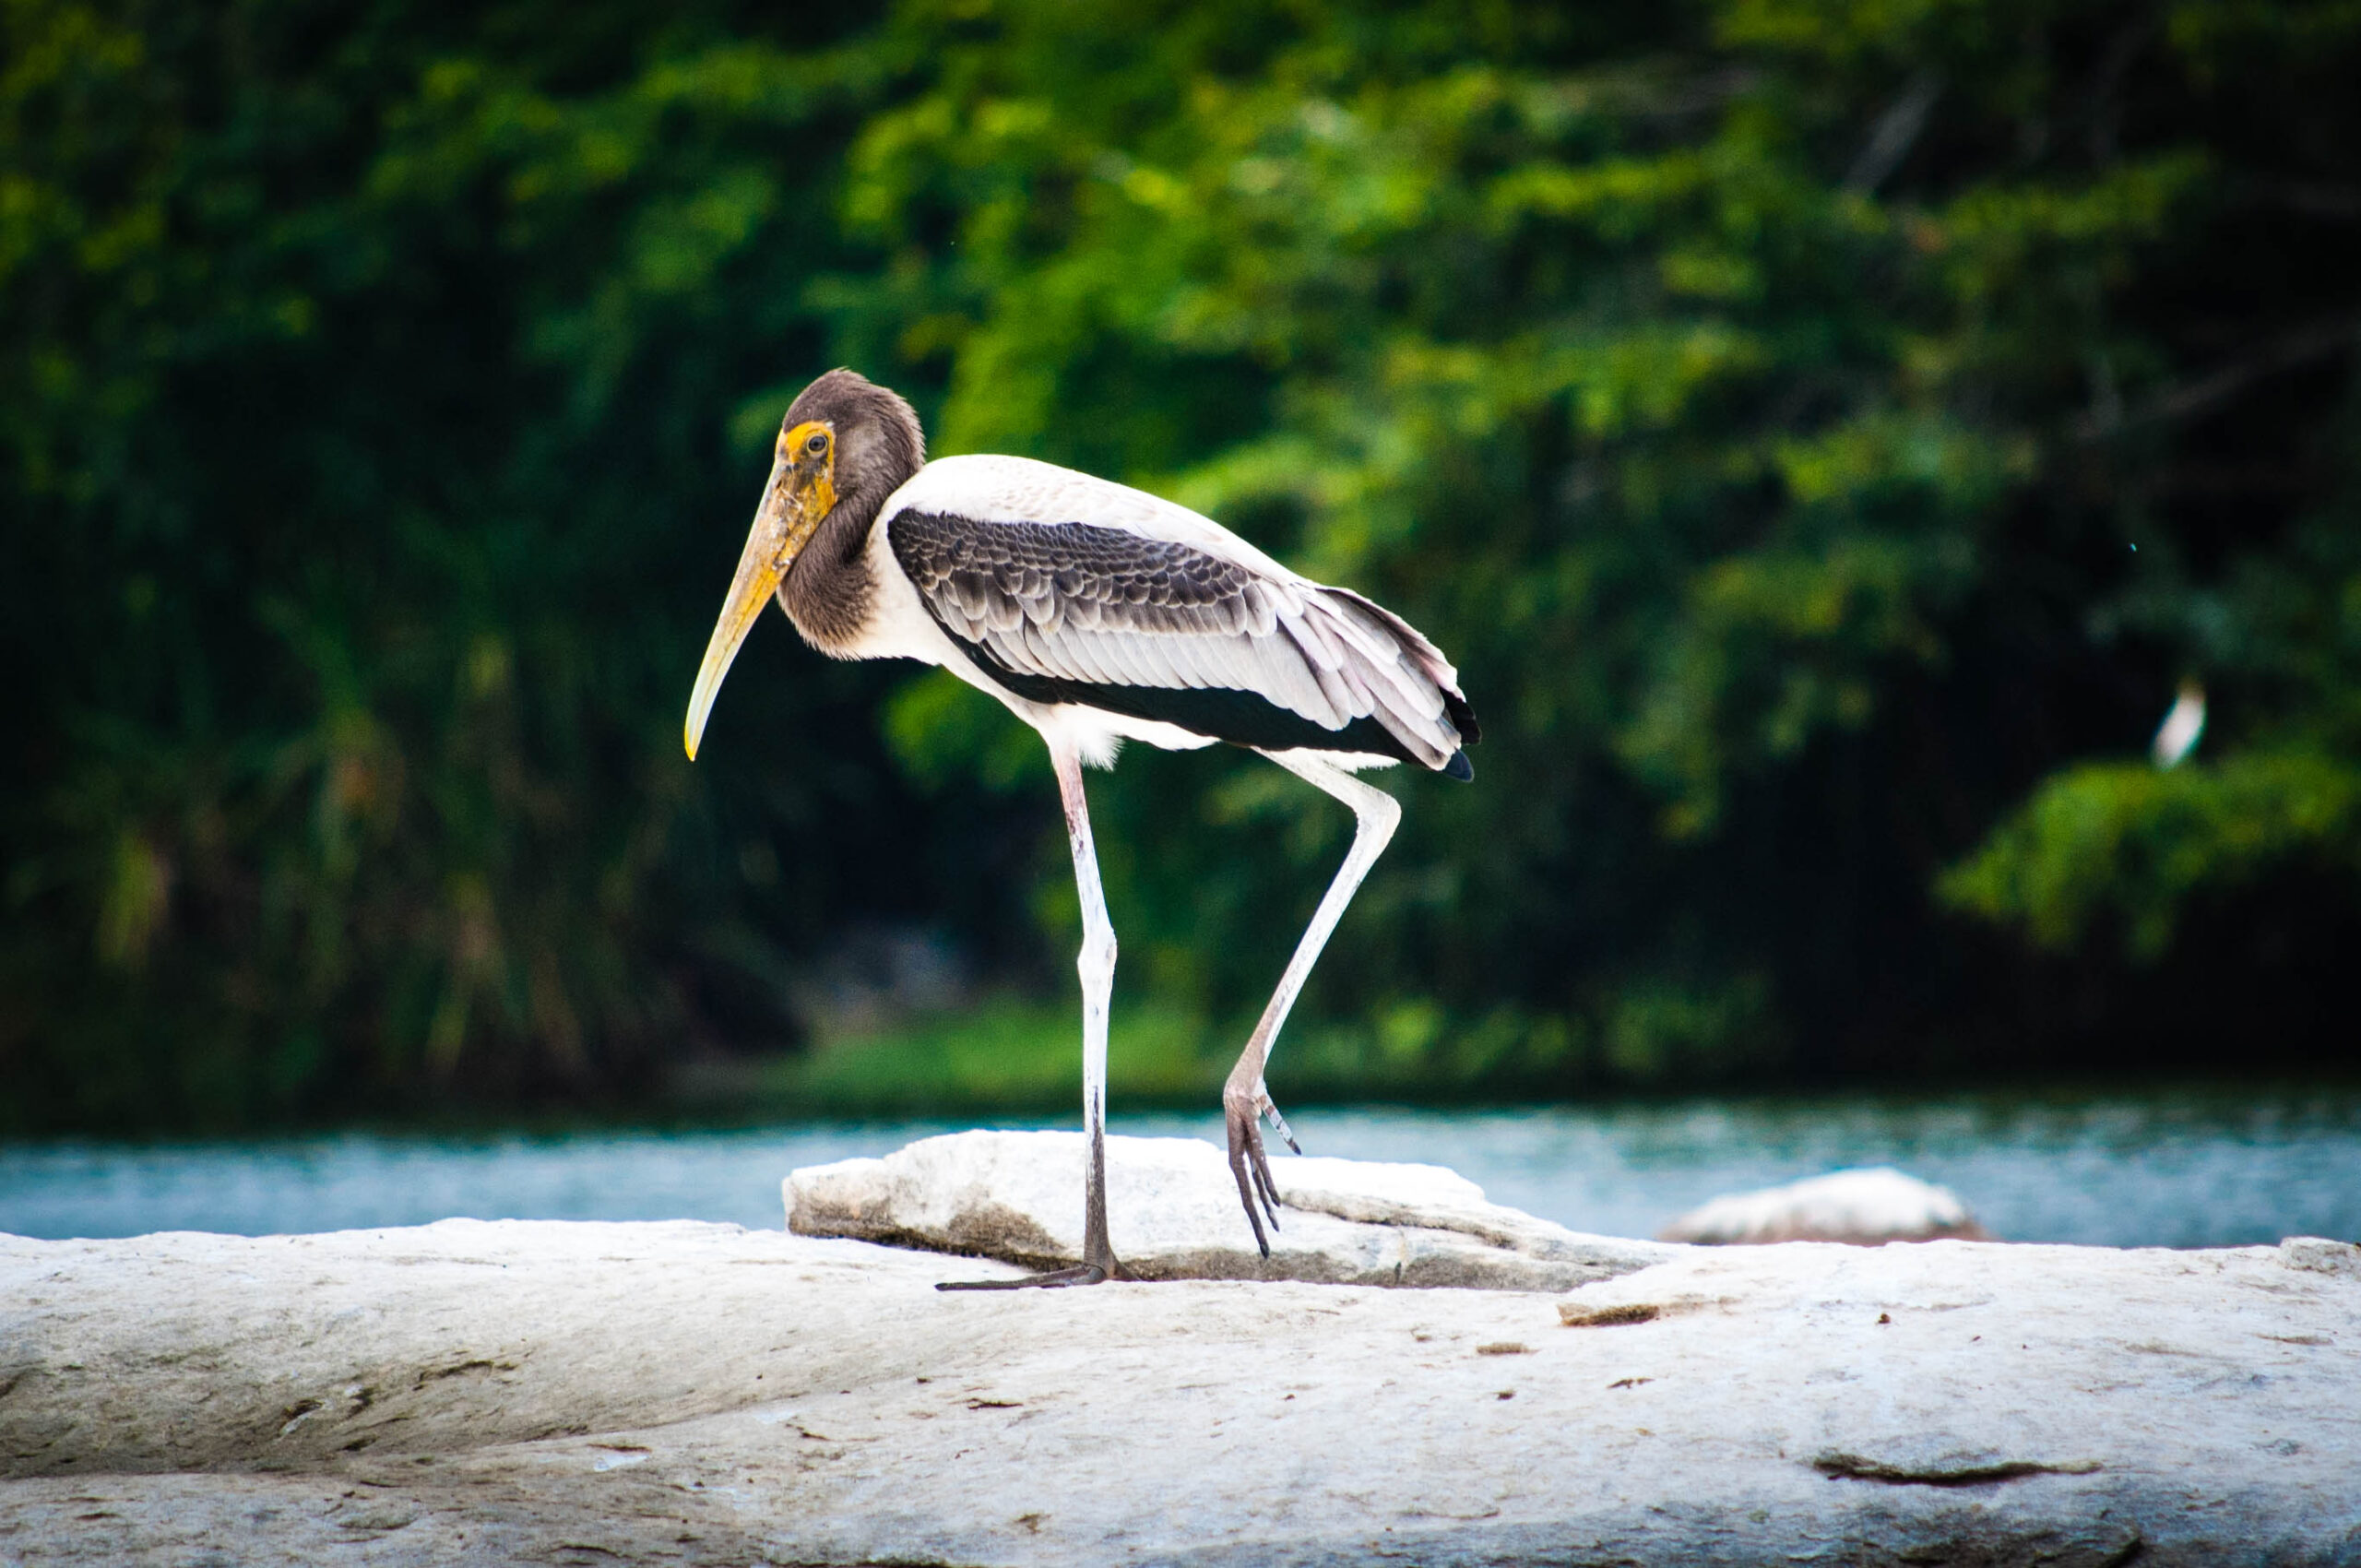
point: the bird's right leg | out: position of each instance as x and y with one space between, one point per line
1245 1099
1096 965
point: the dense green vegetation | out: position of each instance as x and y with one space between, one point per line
1826 436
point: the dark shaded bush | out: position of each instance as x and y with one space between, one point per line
1825 435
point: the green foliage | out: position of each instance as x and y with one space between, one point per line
1740 394
1760 401
361 372
1006 1055
2125 849
2129 843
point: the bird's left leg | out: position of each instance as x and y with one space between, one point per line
1244 1098
1096 966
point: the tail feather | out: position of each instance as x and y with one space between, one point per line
1430 662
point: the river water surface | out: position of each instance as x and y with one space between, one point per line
2175 1169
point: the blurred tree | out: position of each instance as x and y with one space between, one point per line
1825 434
380 383
1809 424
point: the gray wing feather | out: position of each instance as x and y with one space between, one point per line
1080 602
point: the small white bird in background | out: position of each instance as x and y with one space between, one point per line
2177 735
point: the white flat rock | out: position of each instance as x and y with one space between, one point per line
1861 1207
695 1393
1173 1213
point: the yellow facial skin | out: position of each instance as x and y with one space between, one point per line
799 494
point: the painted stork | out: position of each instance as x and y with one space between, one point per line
1097 613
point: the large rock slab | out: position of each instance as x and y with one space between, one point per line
695 1393
1173 1213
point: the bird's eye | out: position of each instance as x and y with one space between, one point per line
816 446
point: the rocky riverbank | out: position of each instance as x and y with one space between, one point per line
683 1393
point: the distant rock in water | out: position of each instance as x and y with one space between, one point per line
1864 1207
1172 1210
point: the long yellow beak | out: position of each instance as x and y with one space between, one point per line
771 544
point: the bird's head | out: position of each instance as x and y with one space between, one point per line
844 445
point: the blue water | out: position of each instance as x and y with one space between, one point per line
2155 1170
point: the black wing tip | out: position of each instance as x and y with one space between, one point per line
1463 717
1459 769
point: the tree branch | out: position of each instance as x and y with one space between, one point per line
2202 394
1896 133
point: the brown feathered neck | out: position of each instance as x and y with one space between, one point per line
829 591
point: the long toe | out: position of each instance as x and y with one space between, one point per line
1267 1189
1252 1167
1242 1129
1270 1113
1082 1274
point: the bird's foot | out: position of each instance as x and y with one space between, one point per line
1081 1274
1243 1112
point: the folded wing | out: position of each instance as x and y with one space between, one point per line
1224 644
